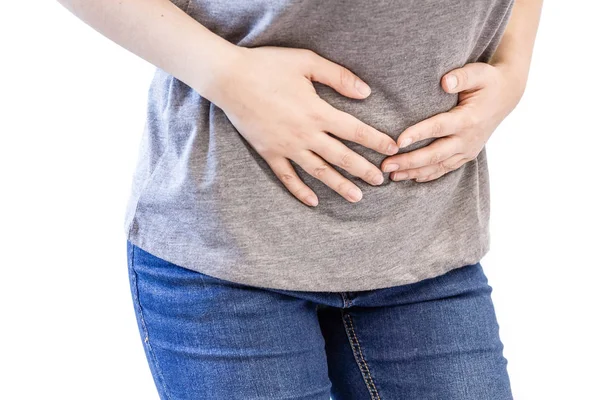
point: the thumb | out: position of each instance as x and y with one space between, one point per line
337 77
471 76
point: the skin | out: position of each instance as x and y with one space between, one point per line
287 120
487 93
267 94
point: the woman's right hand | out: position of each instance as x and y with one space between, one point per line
266 92
270 99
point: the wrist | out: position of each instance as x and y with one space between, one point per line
515 75
225 59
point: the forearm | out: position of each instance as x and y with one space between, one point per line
515 50
162 34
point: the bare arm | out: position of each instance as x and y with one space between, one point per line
164 35
516 47
488 92
266 92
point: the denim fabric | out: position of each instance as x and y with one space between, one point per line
207 338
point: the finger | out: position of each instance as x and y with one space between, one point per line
319 169
469 77
287 175
452 164
336 153
439 125
430 172
439 150
336 76
346 126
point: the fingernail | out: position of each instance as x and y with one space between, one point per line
362 87
451 81
355 194
390 167
392 149
378 180
405 142
396 176
312 200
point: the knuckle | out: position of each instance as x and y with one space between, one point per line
309 55
301 138
343 187
435 158
297 132
383 145
446 167
346 160
422 175
299 192
360 133
437 129
286 178
463 77
305 197
302 194
320 170
323 111
470 156
266 153
416 137
316 116
285 146
469 120
370 175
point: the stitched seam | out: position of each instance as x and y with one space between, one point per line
138 306
345 301
359 357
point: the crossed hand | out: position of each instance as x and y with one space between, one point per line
273 104
485 98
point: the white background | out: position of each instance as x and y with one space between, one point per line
72 108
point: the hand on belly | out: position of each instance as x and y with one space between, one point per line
487 94
270 99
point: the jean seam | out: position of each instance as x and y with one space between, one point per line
139 310
358 356
345 300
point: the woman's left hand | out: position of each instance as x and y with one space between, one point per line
486 95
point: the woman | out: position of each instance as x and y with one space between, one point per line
311 199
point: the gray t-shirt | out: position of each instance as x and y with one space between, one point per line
203 199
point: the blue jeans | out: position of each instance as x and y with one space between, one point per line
207 338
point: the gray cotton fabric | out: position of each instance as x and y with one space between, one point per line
203 199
